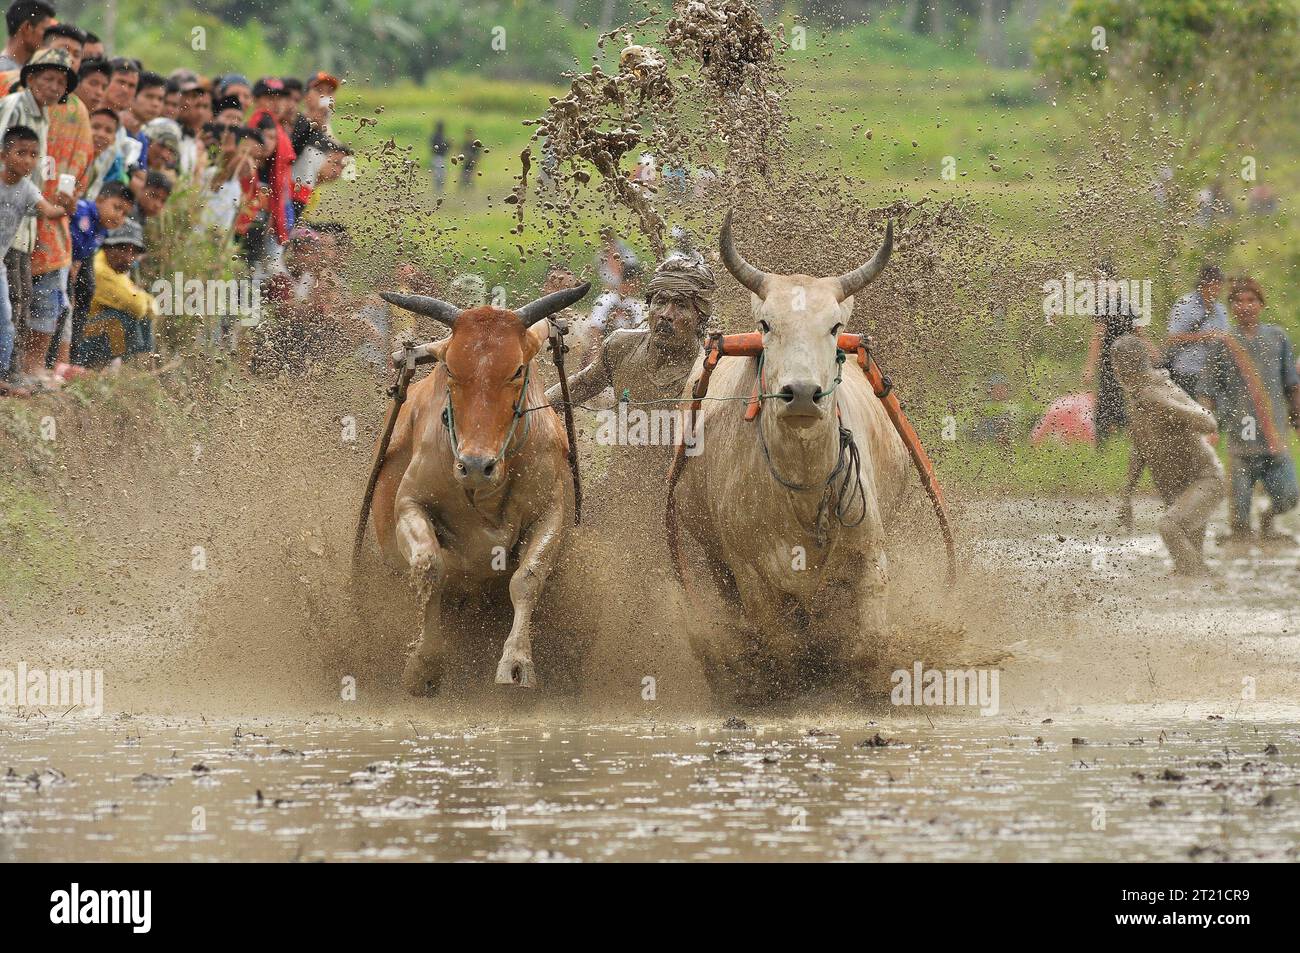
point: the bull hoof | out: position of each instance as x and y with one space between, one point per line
422 676
516 670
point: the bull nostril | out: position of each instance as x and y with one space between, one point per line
487 470
787 393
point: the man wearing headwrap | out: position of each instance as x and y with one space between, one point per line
1168 429
653 363
646 364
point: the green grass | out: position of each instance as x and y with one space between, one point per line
1050 469
36 548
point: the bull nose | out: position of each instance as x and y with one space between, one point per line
476 469
801 398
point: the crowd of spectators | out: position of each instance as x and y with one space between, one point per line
96 150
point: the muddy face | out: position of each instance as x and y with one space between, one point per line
674 325
486 363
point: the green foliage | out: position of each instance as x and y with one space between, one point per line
1210 65
194 253
368 40
165 42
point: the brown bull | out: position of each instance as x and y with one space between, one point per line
475 481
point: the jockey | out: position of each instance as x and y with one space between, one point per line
652 363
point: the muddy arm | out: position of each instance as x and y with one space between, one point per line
599 374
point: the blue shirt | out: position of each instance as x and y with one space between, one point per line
87 233
1271 352
1191 316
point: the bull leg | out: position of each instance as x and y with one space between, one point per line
536 560
866 643
742 655
419 546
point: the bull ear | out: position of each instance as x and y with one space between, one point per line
535 339
535 311
434 308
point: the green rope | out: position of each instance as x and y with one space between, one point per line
626 397
449 421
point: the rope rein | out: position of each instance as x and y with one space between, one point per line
848 461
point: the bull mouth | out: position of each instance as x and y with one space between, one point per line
800 416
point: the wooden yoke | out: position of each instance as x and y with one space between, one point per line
884 390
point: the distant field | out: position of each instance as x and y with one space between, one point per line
904 89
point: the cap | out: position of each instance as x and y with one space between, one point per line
269 86
50 58
322 78
128 233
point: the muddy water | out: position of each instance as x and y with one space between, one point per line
1141 718
954 790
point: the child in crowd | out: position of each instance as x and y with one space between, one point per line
19 199
120 322
107 164
91 223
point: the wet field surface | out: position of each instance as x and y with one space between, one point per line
960 789
1125 733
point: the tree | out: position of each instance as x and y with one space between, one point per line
1214 71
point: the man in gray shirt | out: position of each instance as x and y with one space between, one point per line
1250 382
1196 318
25 21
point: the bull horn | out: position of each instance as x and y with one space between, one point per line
544 307
859 278
741 270
434 308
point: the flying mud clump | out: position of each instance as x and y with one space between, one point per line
726 104
740 87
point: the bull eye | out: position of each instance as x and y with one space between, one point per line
519 373
835 329
764 326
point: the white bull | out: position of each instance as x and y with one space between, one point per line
812 595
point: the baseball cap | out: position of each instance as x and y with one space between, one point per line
128 233
322 78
